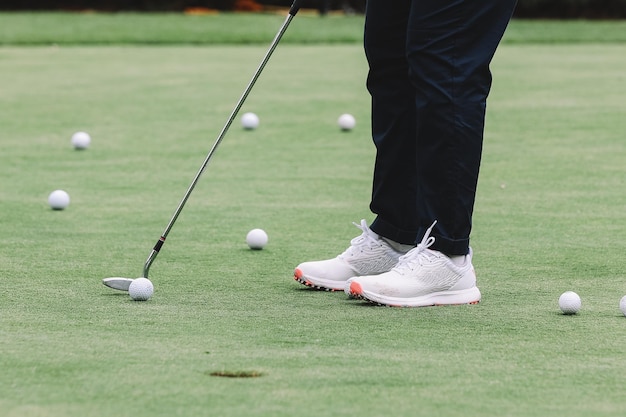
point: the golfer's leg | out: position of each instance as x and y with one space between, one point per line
393 120
449 48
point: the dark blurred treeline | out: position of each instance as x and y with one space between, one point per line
556 9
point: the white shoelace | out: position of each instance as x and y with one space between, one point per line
416 256
367 239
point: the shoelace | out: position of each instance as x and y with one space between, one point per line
417 255
366 239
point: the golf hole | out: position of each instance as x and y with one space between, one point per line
236 374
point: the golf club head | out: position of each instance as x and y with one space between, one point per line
117 283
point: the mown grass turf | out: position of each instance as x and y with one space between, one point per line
549 217
236 28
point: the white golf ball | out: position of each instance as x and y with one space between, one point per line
569 302
346 122
256 239
141 289
59 200
622 305
81 140
250 121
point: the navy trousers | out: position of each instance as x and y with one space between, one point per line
429 79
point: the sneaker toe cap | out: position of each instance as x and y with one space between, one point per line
330 270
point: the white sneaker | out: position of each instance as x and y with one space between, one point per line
423 277
368 254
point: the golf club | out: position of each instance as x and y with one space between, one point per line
122 284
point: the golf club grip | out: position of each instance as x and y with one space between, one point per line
295 6
160 242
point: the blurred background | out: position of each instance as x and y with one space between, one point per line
556 9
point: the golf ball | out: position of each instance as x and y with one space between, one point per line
569 302
141 289
59 200
346 122
256 239
81 140
250 121
622 305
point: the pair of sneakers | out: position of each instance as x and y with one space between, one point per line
384 272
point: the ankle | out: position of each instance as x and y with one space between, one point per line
458 260
397 246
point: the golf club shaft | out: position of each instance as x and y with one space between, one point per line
157 247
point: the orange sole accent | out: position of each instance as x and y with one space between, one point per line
355 289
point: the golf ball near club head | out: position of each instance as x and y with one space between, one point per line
141 289
256 239
58 200
346 122
622 305
250 121
569 302
81 140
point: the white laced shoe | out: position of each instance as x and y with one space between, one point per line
368 254
423 277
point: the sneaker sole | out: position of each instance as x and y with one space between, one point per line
444 298
299 276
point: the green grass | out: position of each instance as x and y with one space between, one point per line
250 28
173 28
550 217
